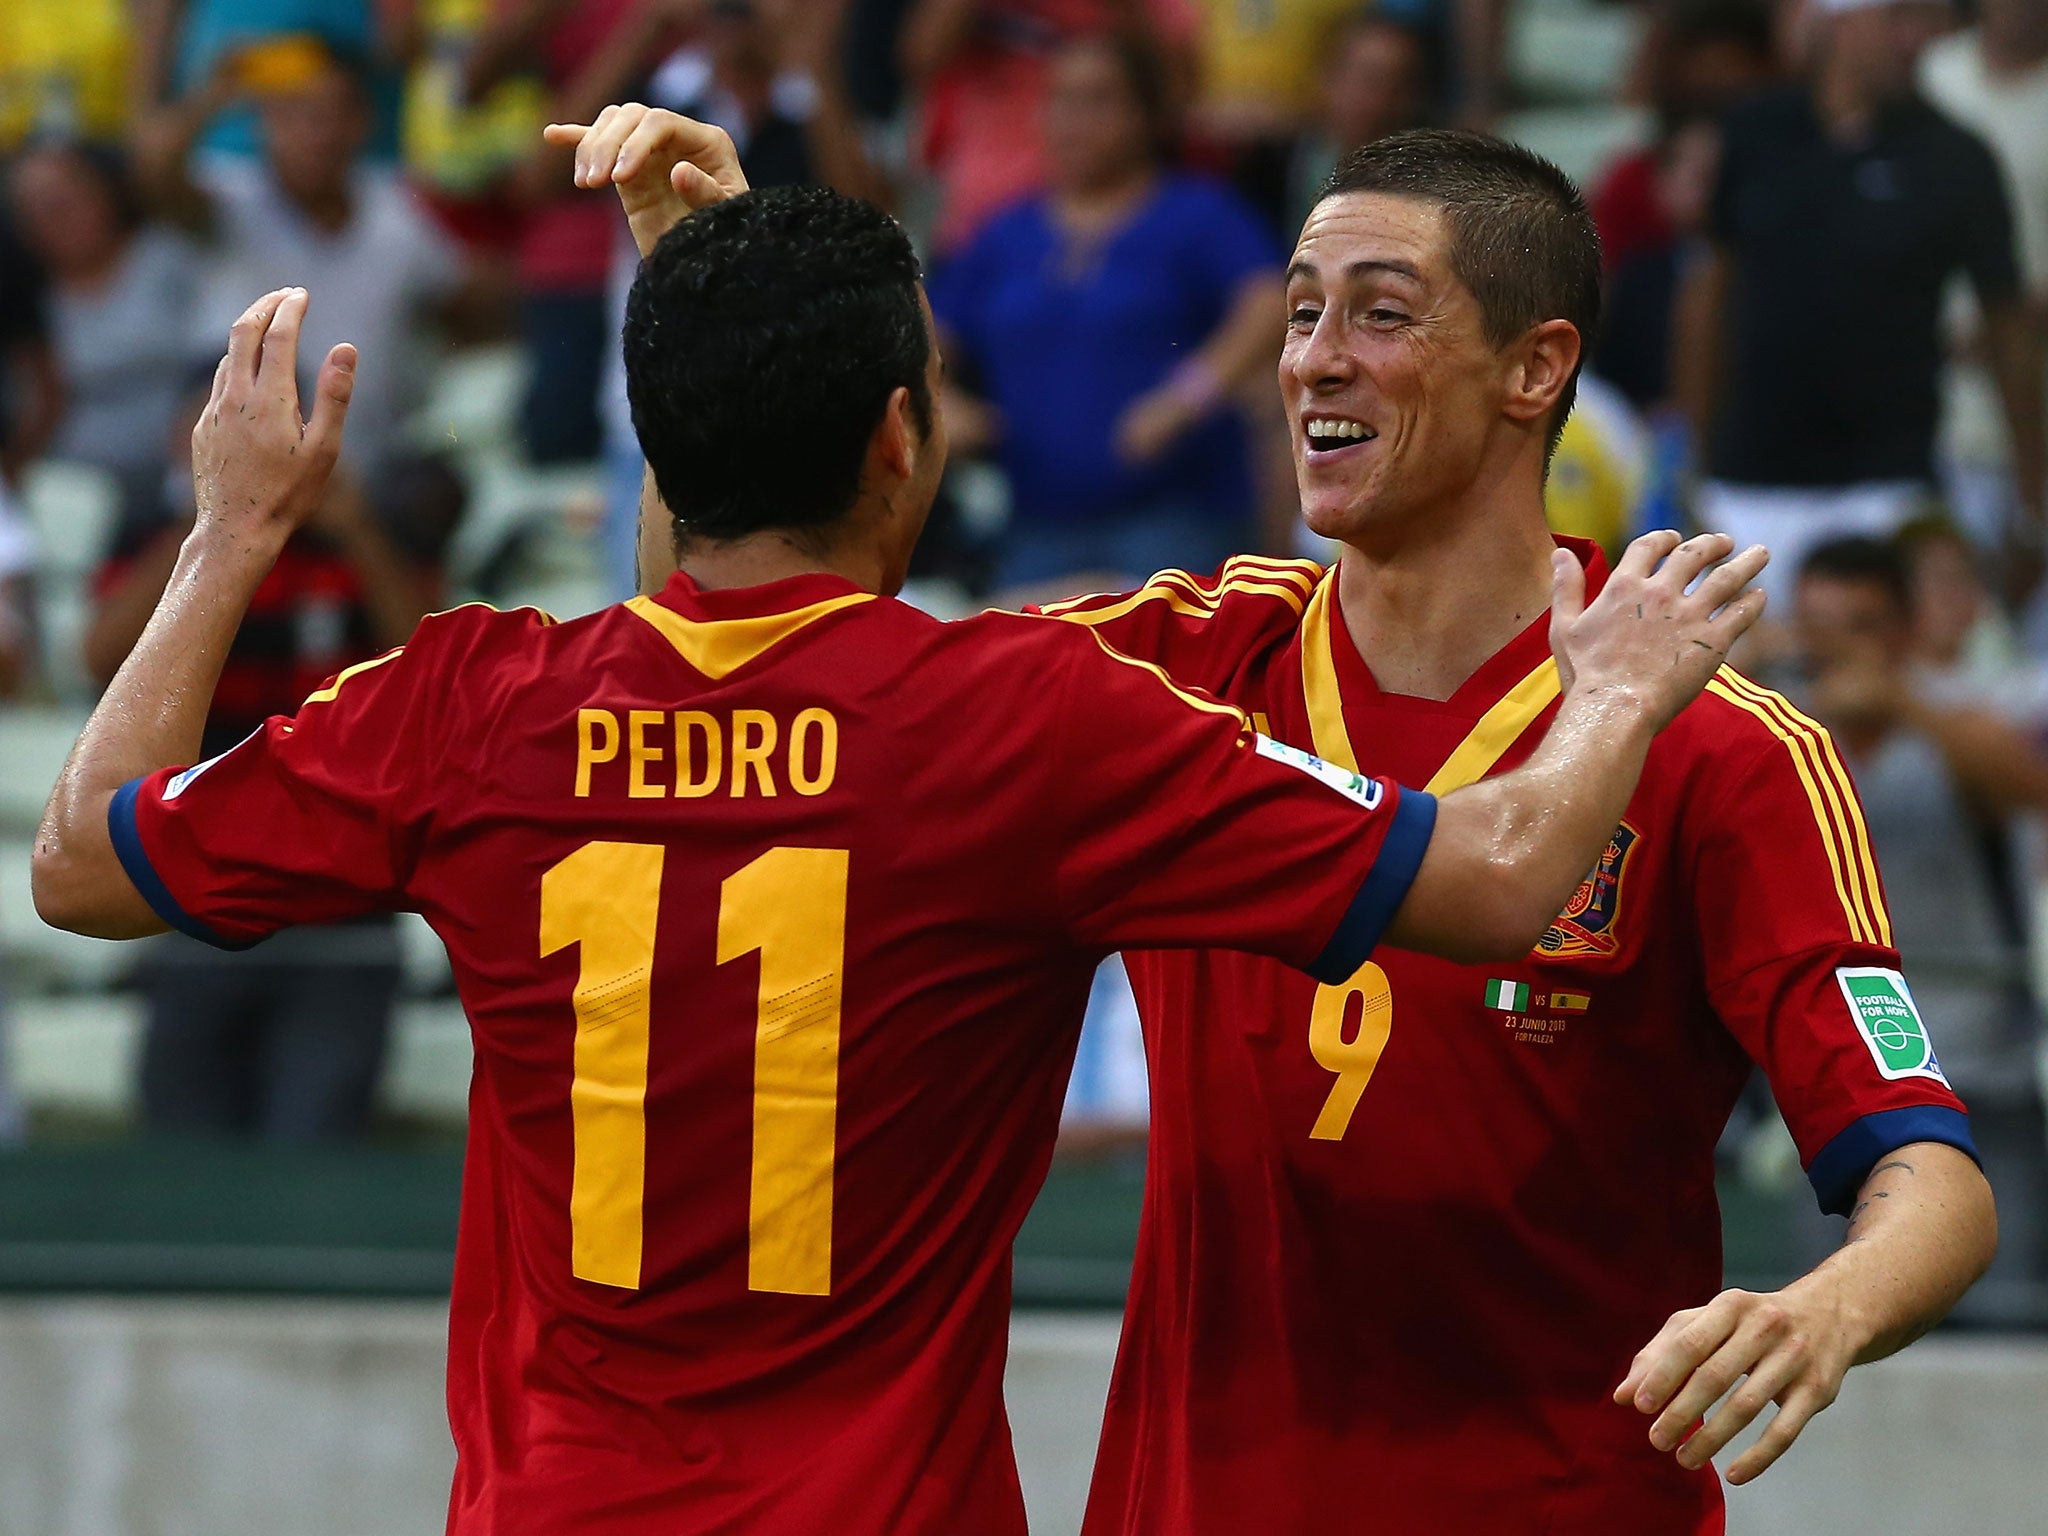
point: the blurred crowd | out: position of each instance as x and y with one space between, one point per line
1826 316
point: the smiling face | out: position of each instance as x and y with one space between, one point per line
1393 391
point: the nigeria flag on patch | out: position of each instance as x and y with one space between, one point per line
1511 995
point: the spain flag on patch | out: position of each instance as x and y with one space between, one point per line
1569 1002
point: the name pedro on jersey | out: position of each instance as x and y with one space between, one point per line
686 754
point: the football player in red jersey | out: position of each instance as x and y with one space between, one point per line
1405 1236
772 901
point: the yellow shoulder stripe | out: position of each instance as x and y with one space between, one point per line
1836 811
1193 700
1191 596
1498 729
717 647
327 694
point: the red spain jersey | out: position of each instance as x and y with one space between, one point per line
1402 1235
773 913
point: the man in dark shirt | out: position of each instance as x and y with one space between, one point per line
1809 338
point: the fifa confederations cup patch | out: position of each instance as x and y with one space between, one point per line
1882 1006
1586 926
1353 786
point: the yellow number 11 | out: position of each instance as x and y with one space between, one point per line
790 905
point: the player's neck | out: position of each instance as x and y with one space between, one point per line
1427 612
775 556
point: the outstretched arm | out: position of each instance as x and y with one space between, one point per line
1922 1231
259 471
1507 853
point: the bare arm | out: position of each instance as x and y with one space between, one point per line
1922 1231
1507 853
933 33
162 141
259 472
1696 340
2014 348
1999 766
1238 350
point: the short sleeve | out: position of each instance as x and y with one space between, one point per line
1174 824
1989 252
1800 965
309 819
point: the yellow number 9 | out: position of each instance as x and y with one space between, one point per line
1353 1059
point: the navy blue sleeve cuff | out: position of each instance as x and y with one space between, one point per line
1385 888
1841 1166
128 848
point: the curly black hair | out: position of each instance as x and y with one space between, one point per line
764 337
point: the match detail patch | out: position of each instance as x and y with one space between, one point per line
1882 1006
1353 786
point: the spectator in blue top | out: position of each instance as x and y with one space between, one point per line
1105 325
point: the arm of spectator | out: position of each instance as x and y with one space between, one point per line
259 471
1922 1231
161 144
813 34
397 593
1696 339
153 50
1996 764
1237 351
38 408
933 33
1480 30
502 46
123 610
2016 349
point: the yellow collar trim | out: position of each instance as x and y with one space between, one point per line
717 647
1489 739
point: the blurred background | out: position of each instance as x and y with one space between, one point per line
228 1183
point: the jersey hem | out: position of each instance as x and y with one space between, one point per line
1384 889
1840 1167
126 836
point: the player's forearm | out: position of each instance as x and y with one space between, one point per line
152 715
1507 853
1922 1231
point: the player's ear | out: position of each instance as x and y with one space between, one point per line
896 442
1542 365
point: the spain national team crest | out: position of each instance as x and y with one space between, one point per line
1587 924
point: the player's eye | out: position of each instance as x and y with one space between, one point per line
1304 317
1381 315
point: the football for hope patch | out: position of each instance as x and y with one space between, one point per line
1882 1006
1353 786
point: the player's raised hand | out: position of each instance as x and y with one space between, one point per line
259 468
1661 626
665 166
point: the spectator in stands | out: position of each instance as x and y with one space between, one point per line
588 53
1106 322
984 67
1651 203
31 393
1941 784
1809 337
1371 86
121 292
1993 79
181 45
287 1041
311 213
63 69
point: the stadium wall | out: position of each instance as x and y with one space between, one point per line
173 1417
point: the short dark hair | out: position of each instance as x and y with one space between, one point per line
1878 562
1521 238
1148 76
764 337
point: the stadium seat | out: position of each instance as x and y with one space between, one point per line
73 509
33 745
37 957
